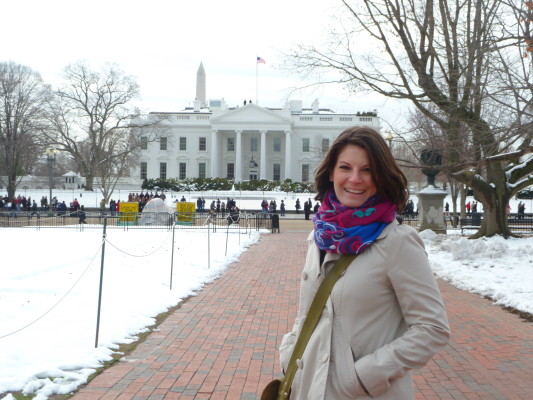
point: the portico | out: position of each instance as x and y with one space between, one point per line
249 141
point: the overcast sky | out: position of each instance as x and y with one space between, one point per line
162 43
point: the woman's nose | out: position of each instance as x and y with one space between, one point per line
355 176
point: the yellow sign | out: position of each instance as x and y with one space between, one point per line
128 211
185 211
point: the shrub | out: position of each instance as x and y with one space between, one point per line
207 184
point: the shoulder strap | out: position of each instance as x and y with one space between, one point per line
315 311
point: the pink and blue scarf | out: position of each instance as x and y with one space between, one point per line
348 230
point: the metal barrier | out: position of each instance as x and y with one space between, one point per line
204 220
127 221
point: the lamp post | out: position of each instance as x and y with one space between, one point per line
389 139
50 161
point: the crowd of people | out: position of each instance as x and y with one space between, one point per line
140 198
23 203
271 207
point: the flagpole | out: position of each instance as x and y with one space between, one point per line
256 81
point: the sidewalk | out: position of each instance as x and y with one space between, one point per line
221 344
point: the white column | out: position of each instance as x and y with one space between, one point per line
214 154
238 156
262 172
288 160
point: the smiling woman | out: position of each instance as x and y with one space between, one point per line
384 315
367 159
352 177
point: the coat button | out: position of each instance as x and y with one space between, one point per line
300 364
325 358
304 275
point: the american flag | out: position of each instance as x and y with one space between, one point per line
260 60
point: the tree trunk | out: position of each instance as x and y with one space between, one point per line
494 219
89 180
462 205
11 187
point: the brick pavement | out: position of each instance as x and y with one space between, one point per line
221 344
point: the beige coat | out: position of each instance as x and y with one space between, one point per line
385 317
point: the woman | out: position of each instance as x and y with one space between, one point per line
385 315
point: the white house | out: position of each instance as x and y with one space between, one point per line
250 142
242 143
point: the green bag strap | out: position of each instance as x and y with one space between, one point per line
317 306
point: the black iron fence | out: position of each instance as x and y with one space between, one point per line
127 221
519 224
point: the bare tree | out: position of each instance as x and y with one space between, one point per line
91 117
463 58
22 96
119 160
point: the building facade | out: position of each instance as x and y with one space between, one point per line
243 143
250 142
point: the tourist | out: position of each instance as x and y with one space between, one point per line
385 314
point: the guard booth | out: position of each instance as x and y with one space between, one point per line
72 180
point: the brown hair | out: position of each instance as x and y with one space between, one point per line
389 179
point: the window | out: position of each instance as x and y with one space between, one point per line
201 170
305 173
144 170
277 144
231 171
231 144
183 143
305 145
162 143
253 144
202 146
182 170
325 145
276 172
144 143
163 170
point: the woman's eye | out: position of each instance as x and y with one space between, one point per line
345 167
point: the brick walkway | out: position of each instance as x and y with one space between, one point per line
221 344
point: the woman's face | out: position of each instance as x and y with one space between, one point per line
351 177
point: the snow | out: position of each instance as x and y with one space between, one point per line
493 267
49 285
432 190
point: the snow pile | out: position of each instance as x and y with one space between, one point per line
493 267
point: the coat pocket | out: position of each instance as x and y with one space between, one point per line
348 381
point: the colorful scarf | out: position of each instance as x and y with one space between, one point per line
348 230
